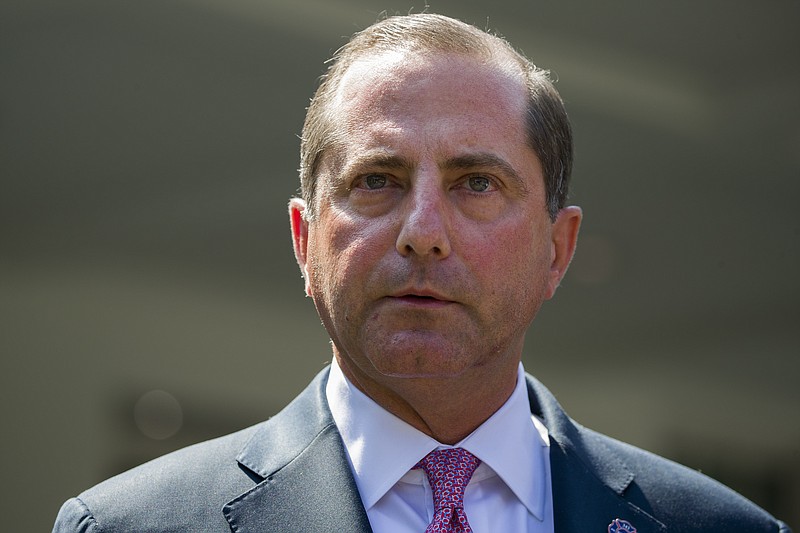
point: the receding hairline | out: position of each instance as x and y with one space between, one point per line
548 131
449 38
398 60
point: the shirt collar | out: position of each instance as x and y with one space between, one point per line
382 448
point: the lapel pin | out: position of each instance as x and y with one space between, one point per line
621 526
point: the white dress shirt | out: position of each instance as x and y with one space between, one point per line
510 490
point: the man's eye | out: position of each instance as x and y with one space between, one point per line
478 183
375 181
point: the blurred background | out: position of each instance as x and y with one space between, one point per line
148 292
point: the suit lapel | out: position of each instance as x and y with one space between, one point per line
582 503
303 478
591 485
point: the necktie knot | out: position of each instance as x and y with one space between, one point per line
449 472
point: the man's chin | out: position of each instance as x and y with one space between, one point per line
416 363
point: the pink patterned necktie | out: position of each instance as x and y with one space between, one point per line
448 473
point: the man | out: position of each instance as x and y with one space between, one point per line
434 170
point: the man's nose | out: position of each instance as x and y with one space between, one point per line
425 230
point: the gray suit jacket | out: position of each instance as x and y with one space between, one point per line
290 474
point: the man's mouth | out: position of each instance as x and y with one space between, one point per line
423 299
413 297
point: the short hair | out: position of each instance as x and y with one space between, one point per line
548 129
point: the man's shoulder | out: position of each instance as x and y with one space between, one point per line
180 490
190 485
598 470
682 498
198 464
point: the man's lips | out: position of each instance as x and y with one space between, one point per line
420 298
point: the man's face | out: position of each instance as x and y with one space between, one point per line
431 250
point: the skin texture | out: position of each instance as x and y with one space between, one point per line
431 251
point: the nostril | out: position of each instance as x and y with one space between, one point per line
423 237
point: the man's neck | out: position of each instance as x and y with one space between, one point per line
447 409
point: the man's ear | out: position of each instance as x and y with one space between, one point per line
297 219
564 238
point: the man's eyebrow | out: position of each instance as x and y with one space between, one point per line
373 161
381 159
486 161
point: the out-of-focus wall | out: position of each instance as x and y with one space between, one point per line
148 293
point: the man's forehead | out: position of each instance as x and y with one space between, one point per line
396 109
383 74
